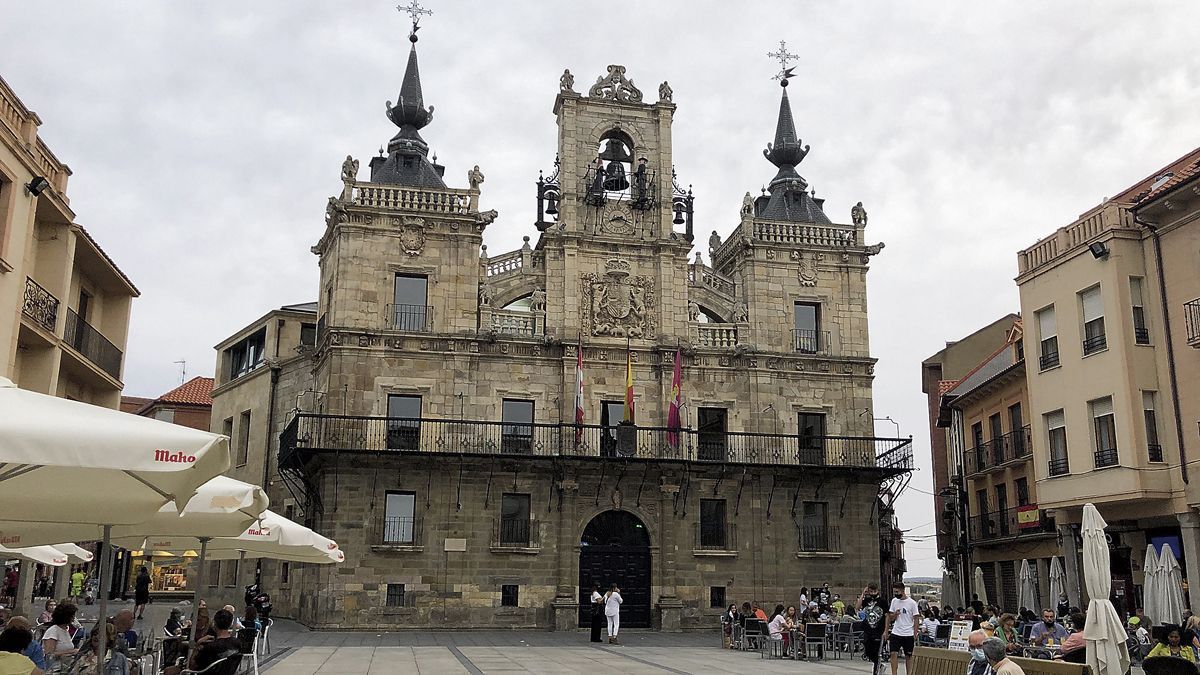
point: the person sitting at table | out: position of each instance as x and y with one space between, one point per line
997 656
34 649
13 641
792 617
1075 640
44 617
758 612
1047 633
779 626
115 663
56 641
175 625
929 626
838 606
730 618
1007 630
1171 644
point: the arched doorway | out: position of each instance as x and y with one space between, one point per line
615 548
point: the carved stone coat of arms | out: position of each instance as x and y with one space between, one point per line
620 304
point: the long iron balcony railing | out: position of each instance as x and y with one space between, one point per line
40 305
1008 523
310 433
999 451
88 341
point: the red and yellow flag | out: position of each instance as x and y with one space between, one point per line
579 391
673 422
628 386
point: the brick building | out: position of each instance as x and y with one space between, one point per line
427 421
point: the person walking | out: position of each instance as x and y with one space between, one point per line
597 612
141 591
612 611
900 629
77 578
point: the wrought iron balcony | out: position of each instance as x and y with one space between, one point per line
1006 523
1094 344
1155 452
1191 318
1048 360
715 536
1013 446
1059 466
820 539
1106 457
411 318
515 533
88 341
396 531
310 433
40 305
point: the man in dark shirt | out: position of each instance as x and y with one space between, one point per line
209 648
873 616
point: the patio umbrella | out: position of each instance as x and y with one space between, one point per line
104 466
980 588
1057 579
1170 585
1107 653
1151 586
950 590
1028 595
46 555
75 553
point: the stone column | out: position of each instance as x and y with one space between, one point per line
1043 577
565 605
23 602
670 607
62 581
1069 549
1189 531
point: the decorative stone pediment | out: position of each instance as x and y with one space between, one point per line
615 87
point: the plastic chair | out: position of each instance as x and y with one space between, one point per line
226 665
774 647
248 639
264 642
814 640
941 636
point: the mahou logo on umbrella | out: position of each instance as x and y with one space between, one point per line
161 455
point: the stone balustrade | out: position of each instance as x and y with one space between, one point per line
505 263
716 335
1065 239
398 197
806 234
523 324
699 273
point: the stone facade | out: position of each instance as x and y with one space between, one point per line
414 315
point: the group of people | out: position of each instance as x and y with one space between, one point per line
606 608
66 646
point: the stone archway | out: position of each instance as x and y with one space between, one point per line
615 548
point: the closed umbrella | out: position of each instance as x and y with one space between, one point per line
950 590
980 588
1107 653
101 467
46 555
1057 579
1170 583
1151 591
1028 595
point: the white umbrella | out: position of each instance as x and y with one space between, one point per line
1028 591
950 590
111 468
1056 579
1151 585
1107 653
46 555
1170 583
75 553
271 536
980 588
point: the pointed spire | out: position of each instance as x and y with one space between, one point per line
789 200
410 108
786 150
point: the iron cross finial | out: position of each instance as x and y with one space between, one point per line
414 10
784 57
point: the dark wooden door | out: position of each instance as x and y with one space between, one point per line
615 548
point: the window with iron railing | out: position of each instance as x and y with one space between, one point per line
712 524
514 520
1150 417
1104 429
1094 338
1048 339
1056 429
399 518
1141 334
404 424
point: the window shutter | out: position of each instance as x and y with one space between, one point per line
1046 323
1135 291
1102 407
1055 420
1093 305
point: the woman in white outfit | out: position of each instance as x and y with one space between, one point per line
612 612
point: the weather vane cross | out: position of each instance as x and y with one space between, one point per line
415 10
784 57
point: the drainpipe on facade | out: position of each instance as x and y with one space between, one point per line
1166 310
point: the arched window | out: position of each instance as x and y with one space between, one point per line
521 304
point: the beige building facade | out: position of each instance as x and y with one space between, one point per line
1112 419
430 429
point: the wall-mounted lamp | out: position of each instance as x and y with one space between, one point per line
1098 249
37 186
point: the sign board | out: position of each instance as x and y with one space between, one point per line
456 544
959 631
1028 516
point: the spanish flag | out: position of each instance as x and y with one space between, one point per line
673 422
628 385
579 391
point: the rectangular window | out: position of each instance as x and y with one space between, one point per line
230 574
1154 449
981 501
977 453
509 595
1056 430
395 595
711 436
1104 430
1141 334
1016 425
1094 339
85 305
409 308
1048 336
514 520
815 534
285 573
997 441
1002 509
611 414
227 428
1022 489
516 430
808 328
712 524
243 441
246 355
308 334
404 422
812 438
716 597
399 518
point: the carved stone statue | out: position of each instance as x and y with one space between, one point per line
693 311
714 243
485 295
614 86
537 302
740 313
747 205
858 215
873 249
349 175
566 83
475 177
699 259
664 92
335 212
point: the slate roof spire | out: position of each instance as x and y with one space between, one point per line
789 200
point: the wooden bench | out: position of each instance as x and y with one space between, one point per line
933 661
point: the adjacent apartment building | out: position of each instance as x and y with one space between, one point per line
64 304
488 435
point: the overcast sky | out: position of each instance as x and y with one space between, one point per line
206 137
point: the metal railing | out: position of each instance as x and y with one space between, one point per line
1154 450
412 318
1059 466
348 433
819 539
1191 318
88 341
1094 344
810 341
1106 457
1141 335
515 533
1048 360
997 452
397 531
1007 523
40 305
715 536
